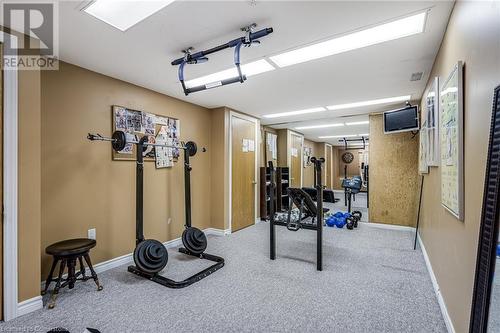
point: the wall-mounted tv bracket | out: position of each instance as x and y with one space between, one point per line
251 37
363 140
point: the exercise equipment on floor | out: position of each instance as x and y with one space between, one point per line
251 38
340 219
310 213
150 255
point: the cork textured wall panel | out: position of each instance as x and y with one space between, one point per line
393 175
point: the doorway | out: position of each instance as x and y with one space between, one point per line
243 171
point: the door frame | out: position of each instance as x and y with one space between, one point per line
10 186
234 114
329 177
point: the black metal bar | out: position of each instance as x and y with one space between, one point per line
367 177
272 231
418 212
164 281
235 79
345 189
139 189
187 188
253 36
319 219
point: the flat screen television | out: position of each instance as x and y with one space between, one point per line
401 120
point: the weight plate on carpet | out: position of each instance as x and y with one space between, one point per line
194 240
150 256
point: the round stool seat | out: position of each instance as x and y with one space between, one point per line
70 247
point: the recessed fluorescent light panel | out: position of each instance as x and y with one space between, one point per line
368 103
294 113
124 14
404 27
337 136
319 126
252 68
366 134
354 123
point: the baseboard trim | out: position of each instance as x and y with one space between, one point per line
388 226
129 258
437 290
29 305
217 232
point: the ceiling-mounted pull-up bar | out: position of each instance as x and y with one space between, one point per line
362 140
250 38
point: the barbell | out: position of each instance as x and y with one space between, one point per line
119 142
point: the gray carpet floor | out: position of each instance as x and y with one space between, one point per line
372 281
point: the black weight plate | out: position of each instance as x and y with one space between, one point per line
194 240
150 256
120 140
350 223
191 148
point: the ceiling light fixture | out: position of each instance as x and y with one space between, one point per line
250 69
366 134
336 136
357 123
124 14
294 113
404 27
319 126
370 102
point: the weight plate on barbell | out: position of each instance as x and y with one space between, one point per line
191 148
119 140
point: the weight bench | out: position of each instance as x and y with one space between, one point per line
328 195
307 209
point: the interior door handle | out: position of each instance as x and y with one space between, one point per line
254 182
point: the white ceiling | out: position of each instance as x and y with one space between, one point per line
142 54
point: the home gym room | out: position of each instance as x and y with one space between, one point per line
255 166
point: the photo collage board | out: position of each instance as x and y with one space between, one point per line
159 129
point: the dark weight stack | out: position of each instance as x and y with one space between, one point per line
150 256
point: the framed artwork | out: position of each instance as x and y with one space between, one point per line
423 167
451 142
432 122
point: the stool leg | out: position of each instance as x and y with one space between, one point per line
49 277
55 292
92 272
71 272
82 268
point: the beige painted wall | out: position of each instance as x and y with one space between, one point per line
308 175
83 188
218 168
473 36
29 186
393 175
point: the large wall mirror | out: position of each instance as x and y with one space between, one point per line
485 313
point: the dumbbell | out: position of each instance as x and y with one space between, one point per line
350 222
357 215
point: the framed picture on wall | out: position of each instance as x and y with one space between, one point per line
451 142
432 120
423 168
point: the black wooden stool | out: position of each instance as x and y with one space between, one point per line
67 252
